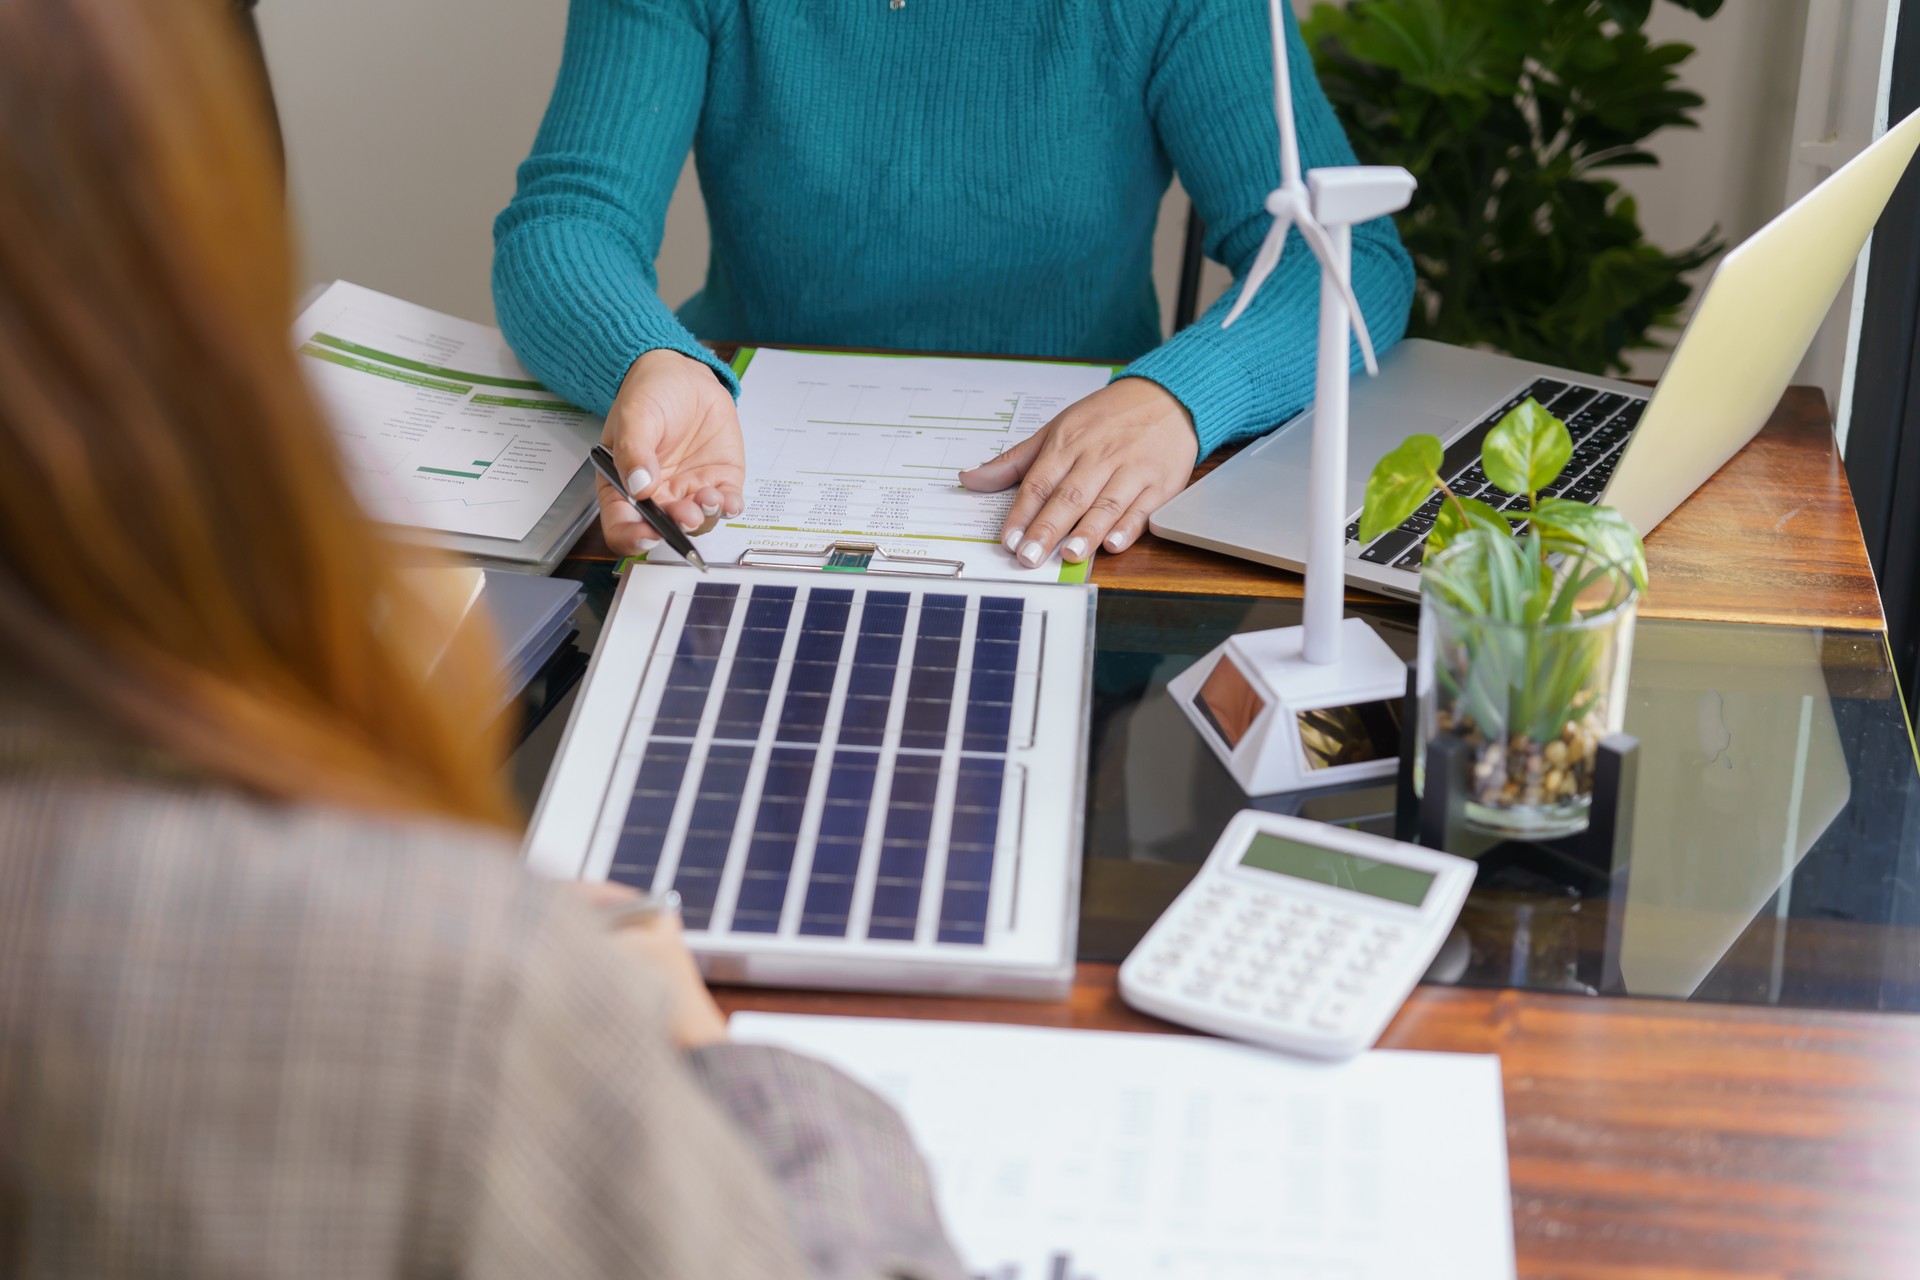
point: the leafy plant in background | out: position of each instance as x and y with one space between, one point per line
1511 113
1521 686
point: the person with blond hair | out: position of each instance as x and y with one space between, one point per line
276 998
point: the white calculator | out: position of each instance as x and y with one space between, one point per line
1298 935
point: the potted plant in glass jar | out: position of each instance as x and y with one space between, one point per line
1526 628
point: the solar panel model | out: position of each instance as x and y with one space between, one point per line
852 781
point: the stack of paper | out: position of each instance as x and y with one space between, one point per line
1076 1155
443 432
532 617
870 449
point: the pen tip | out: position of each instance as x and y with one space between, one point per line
694 558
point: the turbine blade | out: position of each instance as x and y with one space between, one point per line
1322 245
1263 264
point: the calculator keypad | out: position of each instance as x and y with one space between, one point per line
1256 954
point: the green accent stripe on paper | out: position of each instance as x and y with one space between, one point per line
1076 572
516 402
448 471
741 359
380 371
401 362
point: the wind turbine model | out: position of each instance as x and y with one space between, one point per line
1312 705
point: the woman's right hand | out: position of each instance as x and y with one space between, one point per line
694 1019
676 437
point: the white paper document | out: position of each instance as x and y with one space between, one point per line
870 449
440 427
1080 1155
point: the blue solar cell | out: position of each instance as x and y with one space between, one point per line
996 655
695 674
991 686
768 608
741 713
969 866
752 673
975 828
962 934
702 642
713 600
870 681
760 644
679 712
896 906
915 779
802 716
963 908
908 826
935 652
810 677
863 721
828 902
978 787
997 626
710 831
836 859
789 773
987 726
885 613
636 854
942 615
819 646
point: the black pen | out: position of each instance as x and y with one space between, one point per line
670 532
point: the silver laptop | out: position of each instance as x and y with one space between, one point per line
1642 452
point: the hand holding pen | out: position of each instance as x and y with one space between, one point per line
673 440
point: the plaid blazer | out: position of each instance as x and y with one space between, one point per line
239 1039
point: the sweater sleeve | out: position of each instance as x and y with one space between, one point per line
573 278
607 1153
1211 98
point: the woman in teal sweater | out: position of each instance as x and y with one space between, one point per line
947 175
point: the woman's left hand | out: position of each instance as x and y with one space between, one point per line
1095 473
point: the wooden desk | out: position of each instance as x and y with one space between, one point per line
1647 1139
1772 537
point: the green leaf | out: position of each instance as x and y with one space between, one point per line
1457 515
1526 450
1600 534
1400 482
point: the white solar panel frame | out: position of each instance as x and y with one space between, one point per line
1034 899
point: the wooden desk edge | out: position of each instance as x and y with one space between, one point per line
1814 574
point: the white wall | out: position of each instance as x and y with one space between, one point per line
405 120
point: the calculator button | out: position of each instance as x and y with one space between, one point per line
1266 901
1280 1010
1344 919
1197 990
1334 1014
1237 1001
1305 911
1388 932
1352 985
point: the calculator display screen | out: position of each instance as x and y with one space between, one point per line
1314 862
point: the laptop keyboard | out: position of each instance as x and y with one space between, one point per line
1600 423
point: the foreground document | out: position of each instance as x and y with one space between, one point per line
870 449
1084 1155
441 428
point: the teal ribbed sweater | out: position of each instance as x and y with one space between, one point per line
950 175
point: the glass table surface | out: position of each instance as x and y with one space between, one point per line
1775 854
